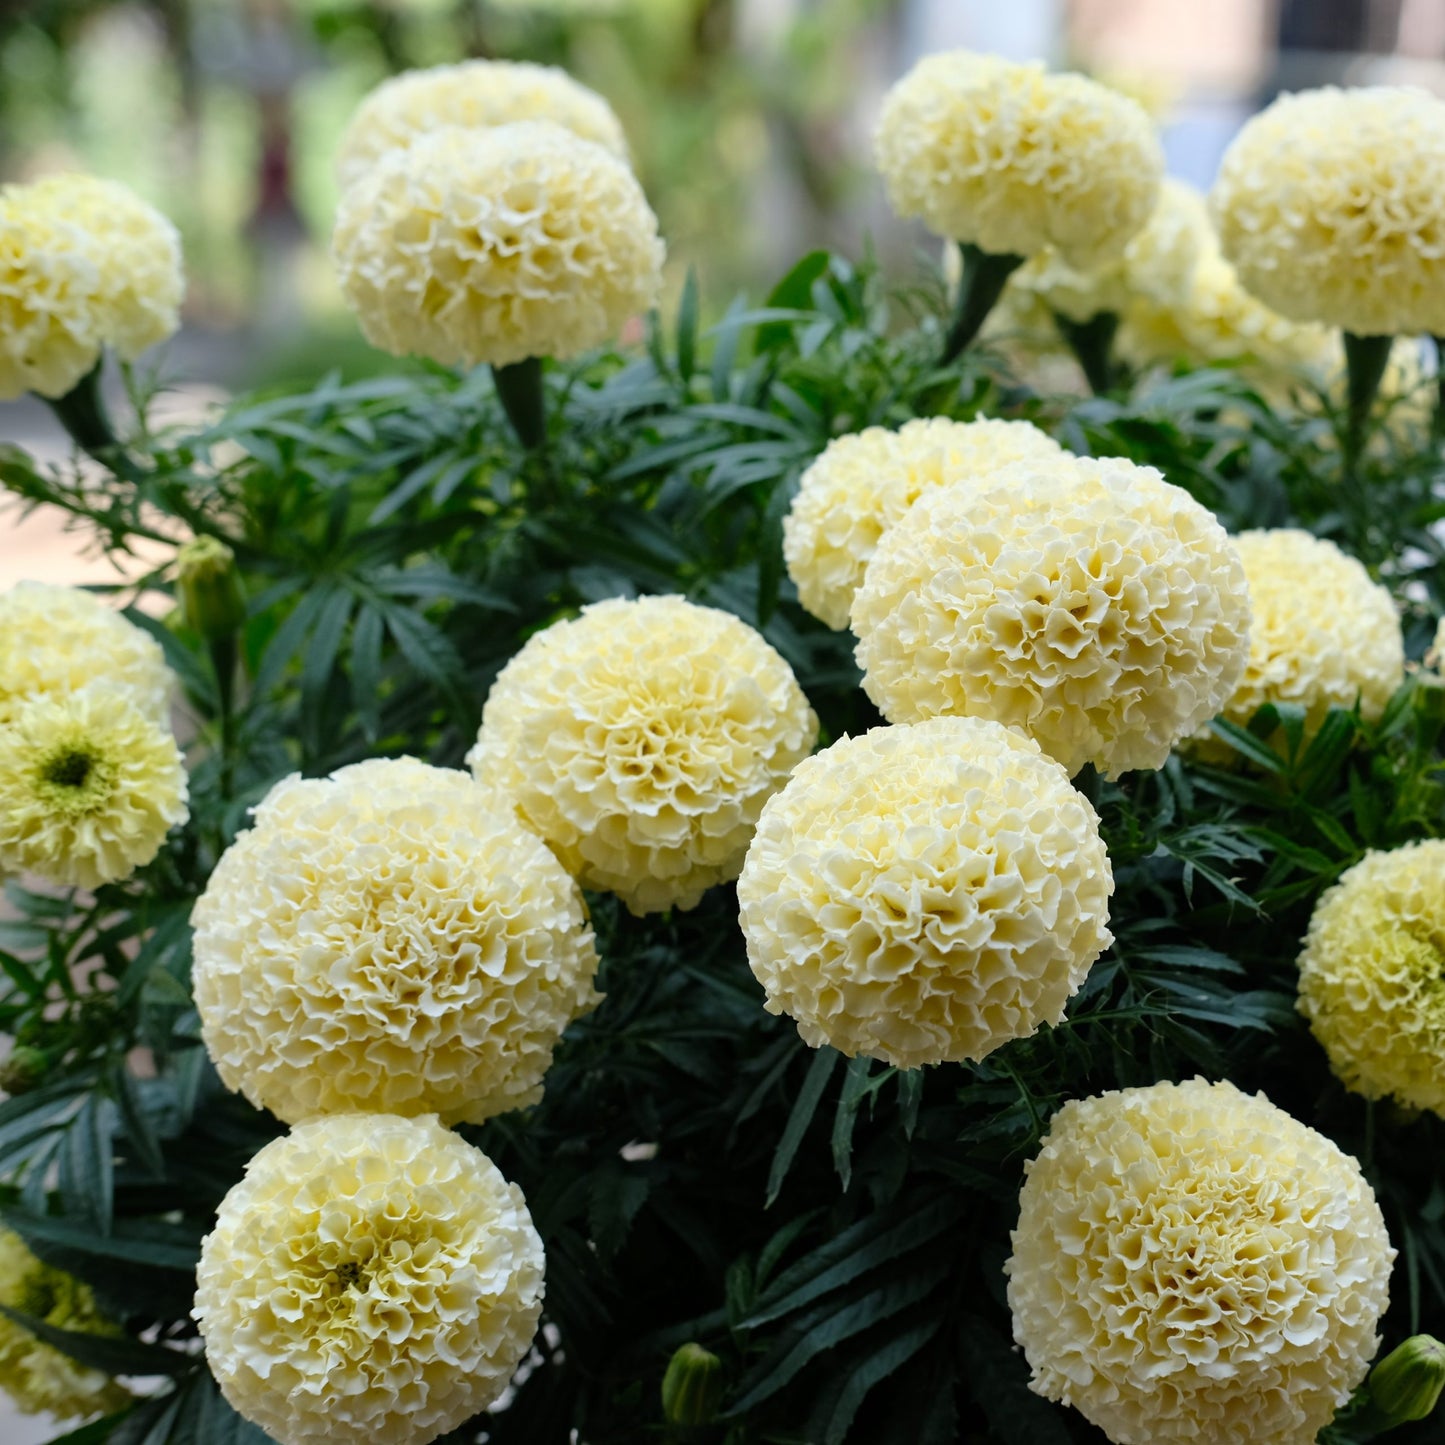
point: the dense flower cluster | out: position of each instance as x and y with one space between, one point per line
496 246
1372 975
1323 634
641 740
475 95
925 894
38 1377
370 1279
390 938
84 264
89 787
1328 205
863 482
1088 602
1193 1265
1013 160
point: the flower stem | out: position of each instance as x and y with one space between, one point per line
519 389
223 662
984 276
1365 360
1092 342
1437 420
83 414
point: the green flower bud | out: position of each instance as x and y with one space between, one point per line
210 588
24 1070
1406 1384
692 1387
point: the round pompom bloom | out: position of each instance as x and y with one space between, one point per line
862 483
56 640
1087 602
1370 976
475 95
1157 265
925 894
89 787
370 1279
496 246
1011 159
36 1376
84 263
1328 205
1193 1265
389 938
1323 634
641 740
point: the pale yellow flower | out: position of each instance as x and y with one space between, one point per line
925 894
371 1278
390 938
1192 1266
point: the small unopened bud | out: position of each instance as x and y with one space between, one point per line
24 1070
692 1387
210 588
1406 1384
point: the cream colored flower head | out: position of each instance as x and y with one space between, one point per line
84 264
389 938
36 1376
1372 976
925 894
1192 1266
1156 267
371 1278
862 483
641 740
1328 205
497 245
1324 634
475 95
89 787
55 640
1013 160
1087 602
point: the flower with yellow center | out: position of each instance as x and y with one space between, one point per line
925 894
370 1279
475 95
389 938
39 1378
641 740
1192 1266
496 246
89 787
1087 602
1372 976
862 483
1012 160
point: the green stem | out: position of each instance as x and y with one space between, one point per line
83 414
1437 421
519 389
1092 341
984 277
1365 361
223 663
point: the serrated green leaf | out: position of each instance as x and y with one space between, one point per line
111 1355
806 1105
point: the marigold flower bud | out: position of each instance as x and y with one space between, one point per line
1406 1384
210 588
692 1386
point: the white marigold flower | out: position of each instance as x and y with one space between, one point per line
1013 160
55 640
1087 602
496 246
1324 634
389 938
89 787
641 740
1328 205
1157 266
1369 976
862 483
84 264
1192 1266
925 894
475 95
371 1278
39 1378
